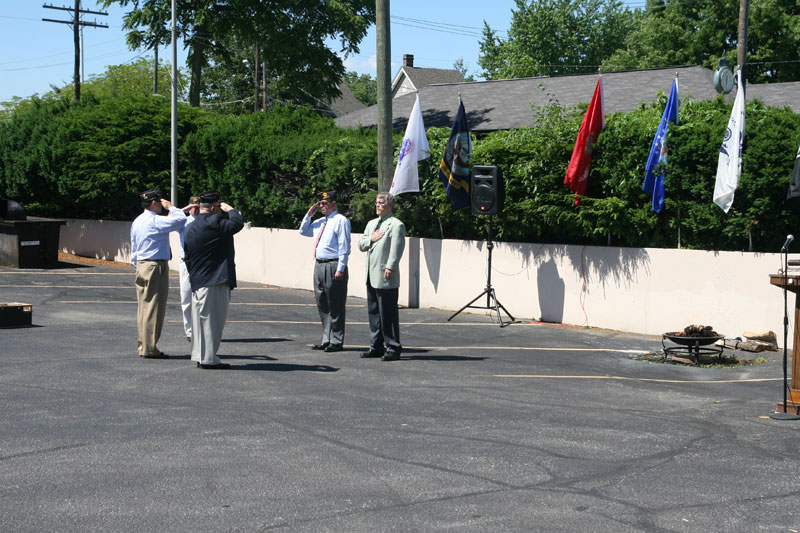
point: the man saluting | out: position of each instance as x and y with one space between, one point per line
331 234
208 247
150 252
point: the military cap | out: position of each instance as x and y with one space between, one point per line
208 197
194 199
326 195
151 194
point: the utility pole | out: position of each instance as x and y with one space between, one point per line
264 83
255 80
155 68
741 49
77 24
383 50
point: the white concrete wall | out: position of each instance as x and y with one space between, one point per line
641 290
100 239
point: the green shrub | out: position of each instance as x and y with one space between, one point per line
90 159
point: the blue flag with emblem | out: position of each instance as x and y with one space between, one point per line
454 168
656 162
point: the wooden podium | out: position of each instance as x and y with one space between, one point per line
792 283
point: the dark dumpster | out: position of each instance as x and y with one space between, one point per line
27 242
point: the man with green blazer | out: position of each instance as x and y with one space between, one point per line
384 241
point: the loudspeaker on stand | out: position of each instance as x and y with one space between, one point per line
487 190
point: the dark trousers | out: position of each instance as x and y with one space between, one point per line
331 298
384 320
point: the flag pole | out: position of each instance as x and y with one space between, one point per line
174 115
679 205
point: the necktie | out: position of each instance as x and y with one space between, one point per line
316 242
372 244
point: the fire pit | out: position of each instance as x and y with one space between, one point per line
693 341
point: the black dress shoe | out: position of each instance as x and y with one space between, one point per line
371 353
390 357
334 348
321 346
218 366
159 355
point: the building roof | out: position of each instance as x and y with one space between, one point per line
419 78
785 94
507 104
346 103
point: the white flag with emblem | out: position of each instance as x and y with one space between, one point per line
414 148
729 166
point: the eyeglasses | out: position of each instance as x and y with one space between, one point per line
378 202
324 202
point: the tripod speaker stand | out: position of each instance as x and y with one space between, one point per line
492 303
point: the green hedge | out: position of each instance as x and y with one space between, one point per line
89 160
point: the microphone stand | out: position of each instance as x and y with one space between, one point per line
785 415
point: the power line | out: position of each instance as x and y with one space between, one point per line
17 69
30 59
468 31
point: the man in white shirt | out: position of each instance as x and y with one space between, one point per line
150 252
191 211
331 235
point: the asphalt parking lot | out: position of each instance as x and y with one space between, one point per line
531 427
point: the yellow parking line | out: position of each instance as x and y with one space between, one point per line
404 324
95 302
531 348
624 378
28 286
66 273
131 286
316 322
232 303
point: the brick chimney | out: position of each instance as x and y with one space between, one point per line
408 60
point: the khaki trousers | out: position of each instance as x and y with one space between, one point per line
152 291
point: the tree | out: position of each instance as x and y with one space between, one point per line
134 79
363 87
703 31
463 68
556 37
290 33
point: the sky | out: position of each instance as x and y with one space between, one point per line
37 54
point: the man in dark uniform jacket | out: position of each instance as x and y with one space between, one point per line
208 246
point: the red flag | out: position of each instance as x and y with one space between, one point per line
593 122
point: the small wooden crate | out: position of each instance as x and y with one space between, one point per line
16 315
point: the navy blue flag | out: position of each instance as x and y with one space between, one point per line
454 168
656 161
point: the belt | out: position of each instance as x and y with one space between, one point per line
153 260
327 260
